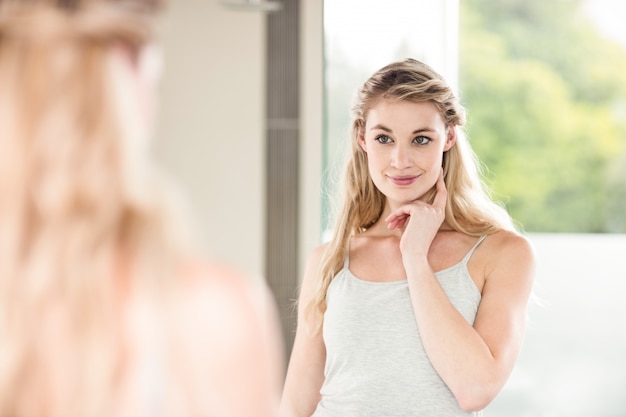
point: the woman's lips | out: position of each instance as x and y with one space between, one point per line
403 179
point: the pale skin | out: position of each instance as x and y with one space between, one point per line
405 142
230 344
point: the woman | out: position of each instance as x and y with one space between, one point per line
416 307
105 310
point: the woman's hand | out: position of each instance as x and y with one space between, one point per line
420 221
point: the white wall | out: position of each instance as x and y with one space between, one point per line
211 132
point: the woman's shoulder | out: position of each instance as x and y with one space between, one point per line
228 337
231 307
316 255
320 249
508 249
509 240
224 286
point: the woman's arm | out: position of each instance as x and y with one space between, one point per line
305 373
474 361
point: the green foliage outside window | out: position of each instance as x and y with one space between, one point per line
546 95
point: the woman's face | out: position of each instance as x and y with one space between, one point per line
405 142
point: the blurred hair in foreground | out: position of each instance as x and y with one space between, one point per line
105 308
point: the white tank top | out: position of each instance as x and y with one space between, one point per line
376 365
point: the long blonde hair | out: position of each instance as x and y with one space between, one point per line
469 208
83 223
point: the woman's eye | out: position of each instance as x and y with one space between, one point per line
421 140
383 139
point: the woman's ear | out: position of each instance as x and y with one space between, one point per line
451 139
137 73
150 65
145 63
362 143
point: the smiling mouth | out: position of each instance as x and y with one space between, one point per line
404 179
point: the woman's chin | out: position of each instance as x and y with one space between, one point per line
399 199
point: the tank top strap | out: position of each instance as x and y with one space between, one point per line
469 254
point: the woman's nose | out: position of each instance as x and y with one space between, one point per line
401 157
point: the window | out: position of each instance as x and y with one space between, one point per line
545 86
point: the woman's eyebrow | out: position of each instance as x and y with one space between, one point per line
381 127
424 129
386 129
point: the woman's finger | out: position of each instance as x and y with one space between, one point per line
397 219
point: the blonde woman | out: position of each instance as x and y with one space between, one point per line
416 307
105 310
